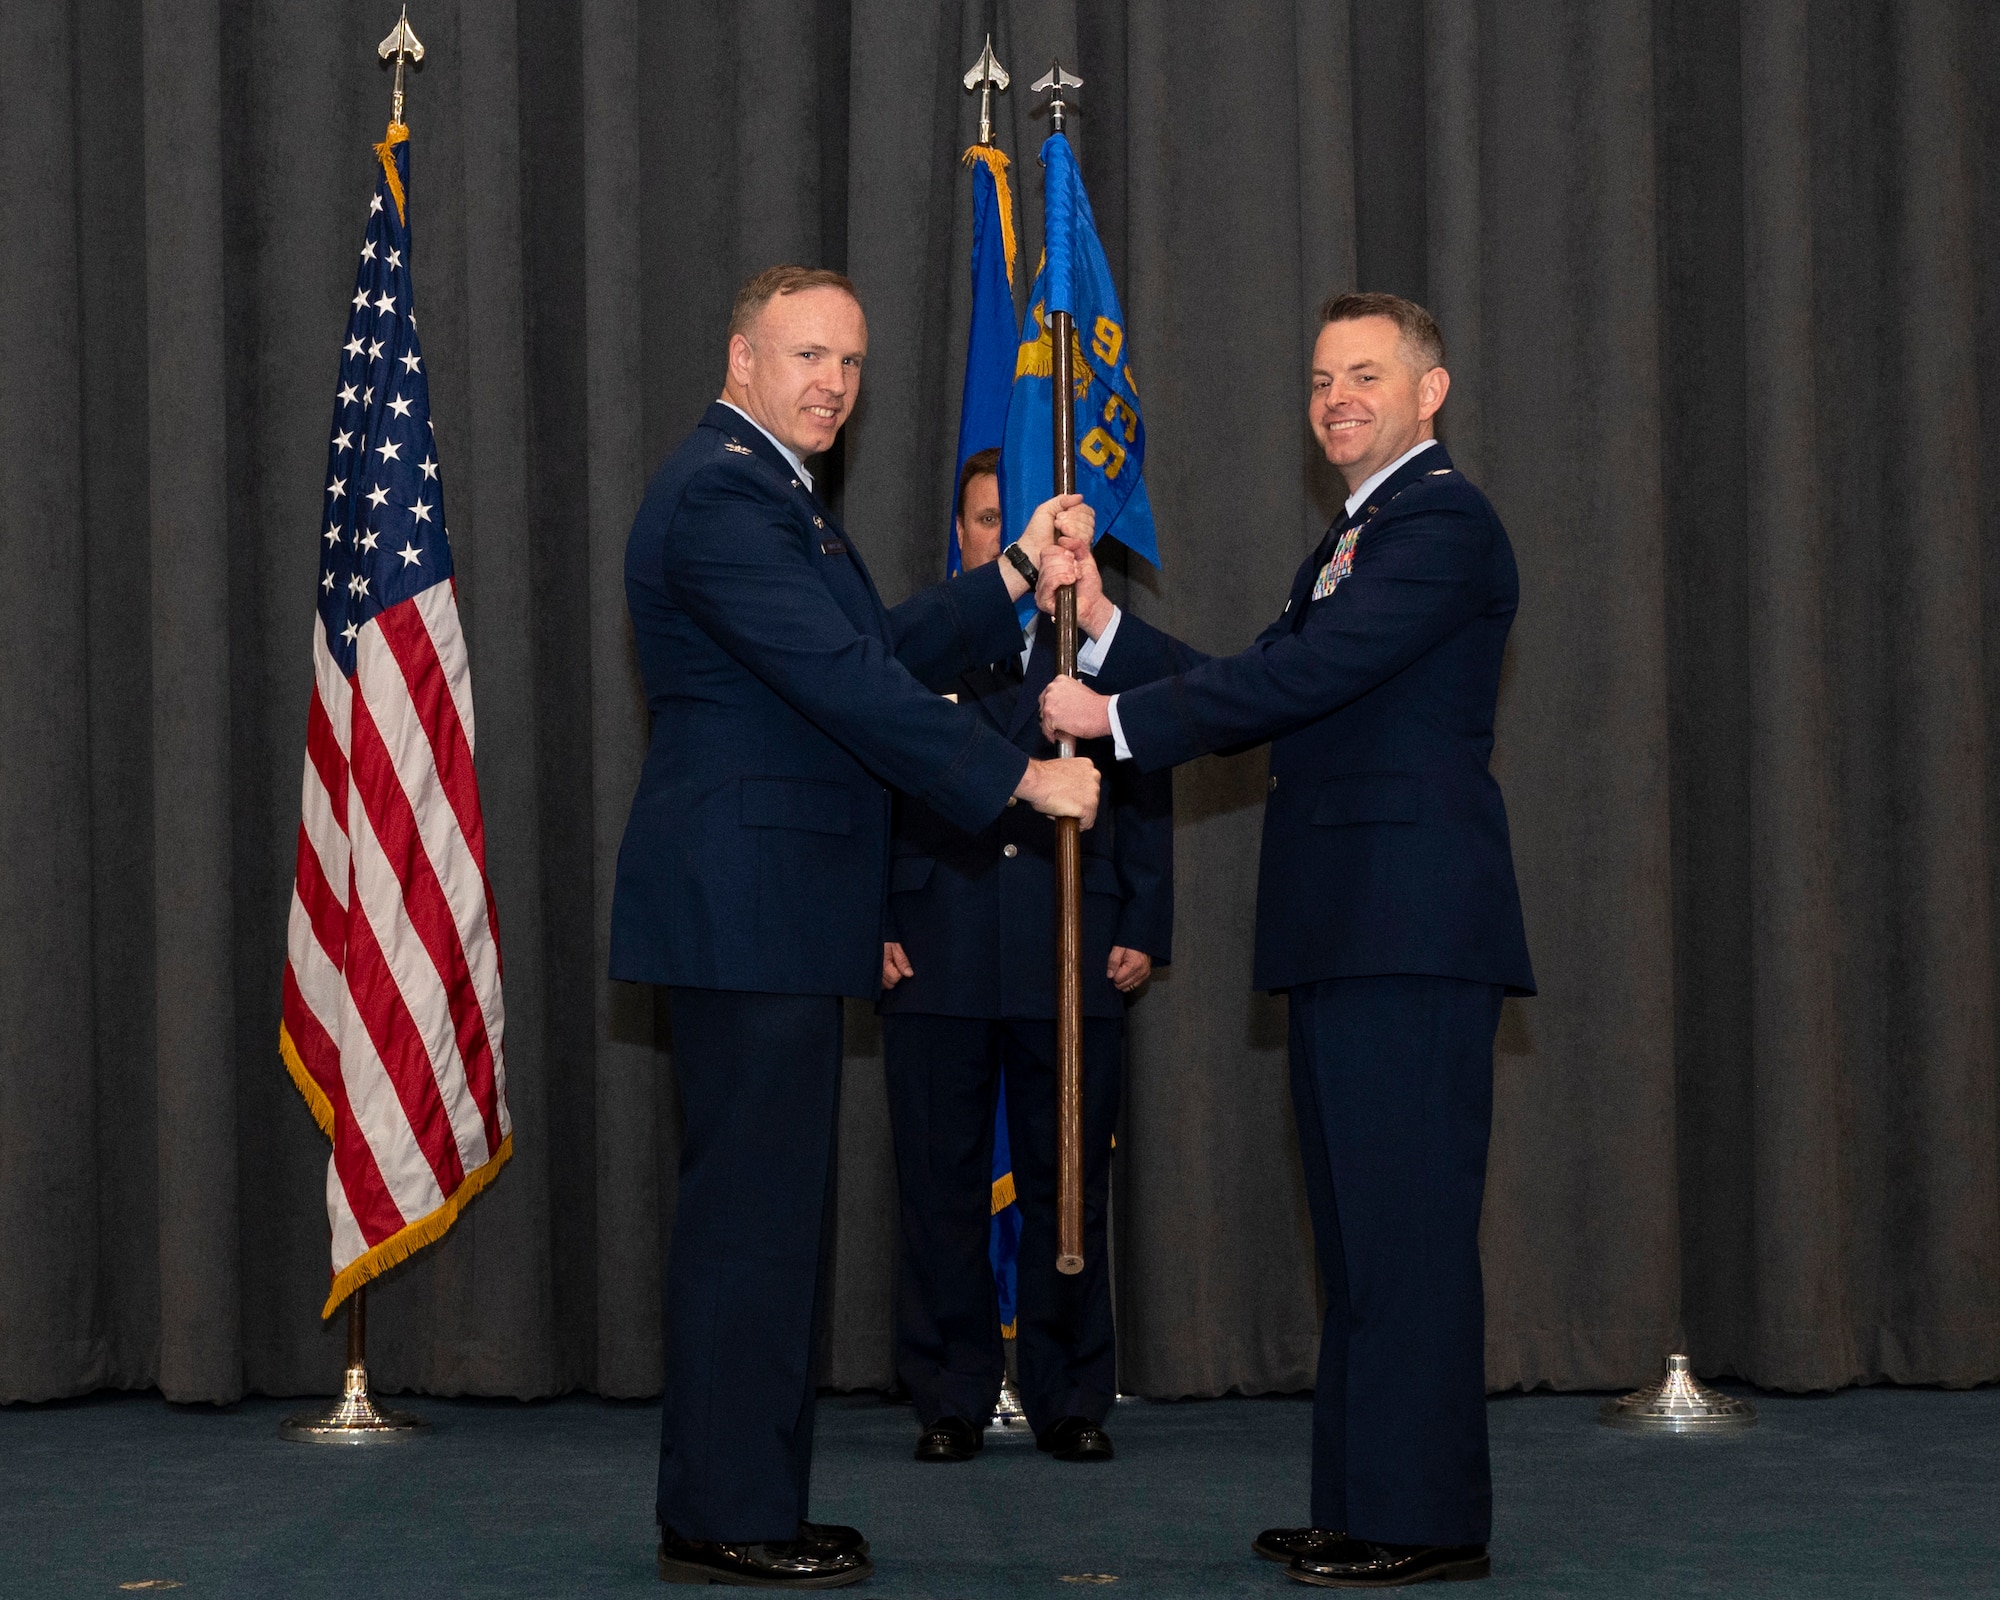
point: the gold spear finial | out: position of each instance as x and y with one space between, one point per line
402 42
987 75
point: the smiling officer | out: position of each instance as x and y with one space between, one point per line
786 700
1387 912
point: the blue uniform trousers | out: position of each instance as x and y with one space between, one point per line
944 1075
760 1094
1392 1081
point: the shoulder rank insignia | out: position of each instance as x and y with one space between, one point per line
1338 566
1442 472
737 449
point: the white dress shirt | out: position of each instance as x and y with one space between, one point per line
1354 503
1089 655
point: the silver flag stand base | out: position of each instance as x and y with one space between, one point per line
1008 1413
354 1418
1679 1403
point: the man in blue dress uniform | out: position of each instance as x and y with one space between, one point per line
786 700
1387 912
969 975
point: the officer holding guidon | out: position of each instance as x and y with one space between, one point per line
786 700
1387 912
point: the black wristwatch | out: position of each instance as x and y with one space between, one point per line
1017 558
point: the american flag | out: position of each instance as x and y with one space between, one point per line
392 1014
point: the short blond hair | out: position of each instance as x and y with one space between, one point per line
761 290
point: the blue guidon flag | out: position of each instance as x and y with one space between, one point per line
1110 433
392 1012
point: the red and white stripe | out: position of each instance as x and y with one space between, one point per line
392 987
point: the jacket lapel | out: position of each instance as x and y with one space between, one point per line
1424 464
865 609
1041 673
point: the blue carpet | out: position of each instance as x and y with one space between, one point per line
1870 1492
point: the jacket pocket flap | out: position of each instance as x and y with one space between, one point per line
803 803
910 872
1368 797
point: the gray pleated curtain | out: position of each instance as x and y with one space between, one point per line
1718 281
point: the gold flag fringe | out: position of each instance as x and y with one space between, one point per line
408 1241
425 1230
1003 1193
996 163
385 153
322 1108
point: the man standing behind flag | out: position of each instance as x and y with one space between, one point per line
969 971
1387 912
392 1014
786 700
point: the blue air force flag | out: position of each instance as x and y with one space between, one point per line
995 332
982 420
1110 435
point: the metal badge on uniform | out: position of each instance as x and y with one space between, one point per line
737 449
1338 566
832 547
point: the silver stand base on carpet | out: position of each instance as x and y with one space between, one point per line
1679 1403
354 1418
1008 1413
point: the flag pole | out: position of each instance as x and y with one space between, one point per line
1069 842
355 1418
986 75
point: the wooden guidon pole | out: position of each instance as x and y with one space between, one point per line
1069 843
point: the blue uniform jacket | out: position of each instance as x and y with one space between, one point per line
786 699
1385 837
978 924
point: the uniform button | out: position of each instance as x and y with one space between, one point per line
1013 799
1011 851
795 483
1274 780
817 523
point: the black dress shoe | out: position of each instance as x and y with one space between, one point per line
950 1439
784 1564
1286 1544
833 1536
1366 1564
1076 1439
